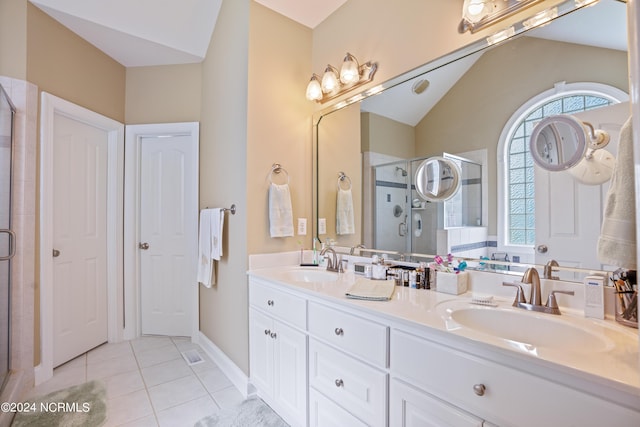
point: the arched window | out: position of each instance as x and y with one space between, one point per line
516 185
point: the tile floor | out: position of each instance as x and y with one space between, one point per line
149 383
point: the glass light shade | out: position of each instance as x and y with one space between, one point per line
349 71
475 10
314 91
329 80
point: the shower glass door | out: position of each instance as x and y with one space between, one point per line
7 240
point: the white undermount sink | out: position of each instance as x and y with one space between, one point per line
310 275
529 329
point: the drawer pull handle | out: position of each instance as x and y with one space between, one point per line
270 302
479 389
339 383
273 335
339 331
267 332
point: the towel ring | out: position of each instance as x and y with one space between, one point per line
343 178
276 168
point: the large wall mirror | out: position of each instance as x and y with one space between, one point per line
479 106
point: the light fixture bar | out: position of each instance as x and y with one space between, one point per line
341 81
492 11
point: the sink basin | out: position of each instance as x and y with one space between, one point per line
310 276
527 330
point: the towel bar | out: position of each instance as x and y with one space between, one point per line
231 209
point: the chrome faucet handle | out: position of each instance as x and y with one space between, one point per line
552 304
548 269
520 299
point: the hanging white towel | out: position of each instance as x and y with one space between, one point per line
617 243
345 223
280 211
209 244
205 245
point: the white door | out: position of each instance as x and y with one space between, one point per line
568 213
168 229
79 238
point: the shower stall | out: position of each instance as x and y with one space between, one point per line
7 237
403 222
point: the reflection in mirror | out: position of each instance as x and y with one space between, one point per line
437 179
487 103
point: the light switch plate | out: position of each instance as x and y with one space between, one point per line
302 226
322 226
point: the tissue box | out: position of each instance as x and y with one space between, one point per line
451 283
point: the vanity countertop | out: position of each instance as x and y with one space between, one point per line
616 365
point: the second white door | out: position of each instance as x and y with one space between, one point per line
168 229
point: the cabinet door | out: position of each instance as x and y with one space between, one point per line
261 351
290 370
410 407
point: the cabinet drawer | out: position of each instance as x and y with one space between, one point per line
282 305
410 407
354 385
324 413
353 334
510 397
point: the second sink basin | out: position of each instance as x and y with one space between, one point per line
527 330
310 275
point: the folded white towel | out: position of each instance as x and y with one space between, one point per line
280 211
617 243
205 245
345 223
217 224
372 290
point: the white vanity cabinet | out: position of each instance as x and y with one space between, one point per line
278 351
490 391
347 366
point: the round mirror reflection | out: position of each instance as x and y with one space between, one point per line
558 143
437 179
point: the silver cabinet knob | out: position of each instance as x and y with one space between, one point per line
542 249
56 253
273 335
270 302
267 332
479 389
339 331
339 383
144 246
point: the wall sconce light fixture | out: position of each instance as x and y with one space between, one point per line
478 14
334 83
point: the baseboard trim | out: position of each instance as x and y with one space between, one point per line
237 377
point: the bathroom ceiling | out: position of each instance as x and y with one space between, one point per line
159 32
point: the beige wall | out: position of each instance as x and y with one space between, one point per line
387 136
163 94
13 38
223 177
65 65
253 114
534 66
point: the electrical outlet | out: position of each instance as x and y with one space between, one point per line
322 226
302 226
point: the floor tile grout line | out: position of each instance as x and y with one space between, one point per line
146 388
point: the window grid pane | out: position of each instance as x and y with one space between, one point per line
520 173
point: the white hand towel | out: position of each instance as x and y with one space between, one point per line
345 223
617 243
280 211
217 224
205 245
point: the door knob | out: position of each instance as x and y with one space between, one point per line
56 253
542 249
144 246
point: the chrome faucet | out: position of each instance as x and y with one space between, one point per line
548 269
535 301
332 262
531 277
353 248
